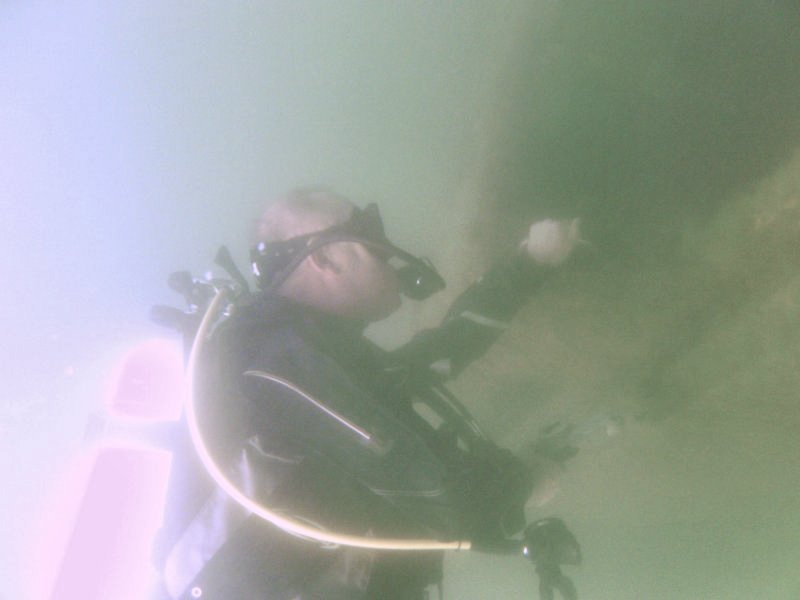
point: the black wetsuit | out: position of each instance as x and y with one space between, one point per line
418 476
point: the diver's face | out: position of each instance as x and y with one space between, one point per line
367 287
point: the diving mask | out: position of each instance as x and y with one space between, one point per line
273 262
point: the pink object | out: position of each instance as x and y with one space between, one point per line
148 384
108 550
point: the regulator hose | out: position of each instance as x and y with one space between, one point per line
290 525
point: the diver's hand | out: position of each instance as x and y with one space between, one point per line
551 242
549 542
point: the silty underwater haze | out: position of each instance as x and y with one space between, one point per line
673 133
138 139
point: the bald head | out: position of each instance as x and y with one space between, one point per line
342 278
300 212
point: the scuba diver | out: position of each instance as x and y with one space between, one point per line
336 435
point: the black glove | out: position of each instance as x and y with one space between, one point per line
549 544
549 541
496 488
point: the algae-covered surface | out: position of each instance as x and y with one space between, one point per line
672 344
689 491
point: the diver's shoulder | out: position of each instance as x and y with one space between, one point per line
268 321
266 309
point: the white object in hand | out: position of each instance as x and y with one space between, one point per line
550 242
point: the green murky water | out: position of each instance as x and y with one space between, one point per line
138 139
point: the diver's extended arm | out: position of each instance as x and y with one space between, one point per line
483 311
